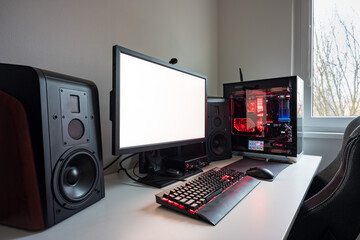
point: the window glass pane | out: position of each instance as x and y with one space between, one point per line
336 58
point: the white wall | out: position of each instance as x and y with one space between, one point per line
256 36
211 37
75 37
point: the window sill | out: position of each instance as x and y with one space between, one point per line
323 135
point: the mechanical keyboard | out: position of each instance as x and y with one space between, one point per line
209 196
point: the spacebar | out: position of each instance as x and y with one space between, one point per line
215 210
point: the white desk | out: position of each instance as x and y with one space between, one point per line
129 212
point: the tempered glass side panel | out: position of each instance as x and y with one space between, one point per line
264 116
300 114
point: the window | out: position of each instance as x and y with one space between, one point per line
327 57
336 58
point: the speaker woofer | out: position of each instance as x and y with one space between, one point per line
75 178
218 143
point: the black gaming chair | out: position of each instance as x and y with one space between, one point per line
331 209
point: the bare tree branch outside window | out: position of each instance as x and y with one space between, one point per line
336 62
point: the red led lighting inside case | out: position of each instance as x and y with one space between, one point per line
260 125
244 125
260 107
251 105
261 117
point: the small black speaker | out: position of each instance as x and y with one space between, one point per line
218 135
51 155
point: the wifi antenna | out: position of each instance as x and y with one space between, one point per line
241 75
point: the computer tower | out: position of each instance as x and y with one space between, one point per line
51 154
266 117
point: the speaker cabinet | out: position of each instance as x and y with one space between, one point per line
218 135
50 147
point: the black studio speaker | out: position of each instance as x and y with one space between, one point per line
50 147
218 134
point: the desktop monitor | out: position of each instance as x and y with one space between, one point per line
154 105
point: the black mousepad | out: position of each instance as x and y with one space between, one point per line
246 163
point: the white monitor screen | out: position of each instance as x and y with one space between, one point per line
158 104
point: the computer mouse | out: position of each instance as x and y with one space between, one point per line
260 172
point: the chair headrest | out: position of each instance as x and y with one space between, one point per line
356 132
351 127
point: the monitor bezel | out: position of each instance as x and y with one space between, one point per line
115 102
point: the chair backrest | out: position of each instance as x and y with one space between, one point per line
347 155
329 172
335 210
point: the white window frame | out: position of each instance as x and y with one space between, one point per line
303 45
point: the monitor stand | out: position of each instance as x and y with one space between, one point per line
167 166
162 179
